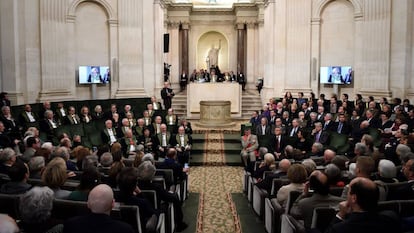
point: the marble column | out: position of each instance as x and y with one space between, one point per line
250 54
184 47
12 56
54 49
130 64
376 48
298 31
174 53
241 61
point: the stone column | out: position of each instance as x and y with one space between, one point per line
241 31
12 50
250 69
174 53
298 31
184 47
57 81
130 64
376 48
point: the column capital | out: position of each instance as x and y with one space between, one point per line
251 24
240 25
185 25
173 24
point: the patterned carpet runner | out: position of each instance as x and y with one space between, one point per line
215 182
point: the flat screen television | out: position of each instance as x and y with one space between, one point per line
336 75
94 74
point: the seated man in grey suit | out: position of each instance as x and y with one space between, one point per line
306 203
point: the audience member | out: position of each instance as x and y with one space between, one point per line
100 202
267 165
358 213
7 159
297 176
89 178
54 176
307 202
170 162
146 173
406 191
8 224
249 144
19 174
35 210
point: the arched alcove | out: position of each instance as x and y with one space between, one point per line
91 41
337 34
206 42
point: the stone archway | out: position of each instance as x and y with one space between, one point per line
205 43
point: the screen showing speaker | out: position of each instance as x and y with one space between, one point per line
336 75
94 74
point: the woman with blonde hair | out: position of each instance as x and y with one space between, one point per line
55 175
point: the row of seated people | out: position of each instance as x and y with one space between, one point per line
54 167
155 133
283 123
367 131
49 120
278 179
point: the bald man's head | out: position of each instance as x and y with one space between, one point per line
328 155
284 165
101 199
7 224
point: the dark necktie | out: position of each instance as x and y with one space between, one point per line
277 144
340 127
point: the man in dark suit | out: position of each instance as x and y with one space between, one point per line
170 162
162 141
328 123
100 202
111 112
183 80
72 118
108 135
305 204
255 120
4 99
146 172
167 94
358 213
61 113
263 128
342 126
278 143
46 106
28 118
406 191
242 80
155 104
292 131
183 143
5 140
320 135
49 125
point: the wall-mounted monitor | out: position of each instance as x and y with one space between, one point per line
94 74
336 75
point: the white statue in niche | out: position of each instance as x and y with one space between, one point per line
213 54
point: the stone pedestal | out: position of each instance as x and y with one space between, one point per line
215 113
